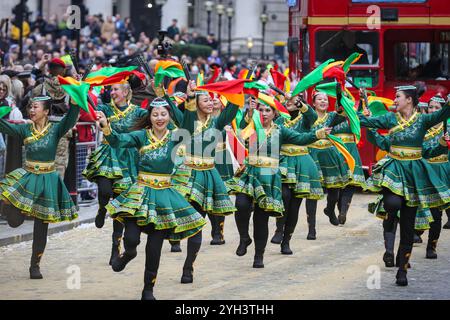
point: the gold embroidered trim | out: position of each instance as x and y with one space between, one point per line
433 132
293 150
35 134
402 123
321 144
199 163
39 167
346 137
405 153
263 162
439 159
155 143
154 180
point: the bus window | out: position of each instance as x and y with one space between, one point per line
340 44
422 61
305 48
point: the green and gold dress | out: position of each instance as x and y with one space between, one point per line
335 171
344 132
118 164
223 160
261 178
403 171
197 178
297 167
151 199
37 189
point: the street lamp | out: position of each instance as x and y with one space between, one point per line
249 46
230 14
264 19
209 8
220 11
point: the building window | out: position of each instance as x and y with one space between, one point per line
191 13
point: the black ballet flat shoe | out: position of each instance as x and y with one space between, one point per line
242 248
187 276
285 249
147 295
258 262
119 264
447 225
388 259
100 218
175 248
277 237
35 273
431 253
332 217
402 281
217 241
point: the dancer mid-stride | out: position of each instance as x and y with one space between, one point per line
300 177
36 189
259 187
407 181
200 181
150 204
114 169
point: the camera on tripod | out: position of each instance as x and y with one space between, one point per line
163 47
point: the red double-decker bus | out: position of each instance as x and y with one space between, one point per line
403 41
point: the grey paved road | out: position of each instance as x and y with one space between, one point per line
338 265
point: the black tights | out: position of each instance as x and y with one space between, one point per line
287 223
392 204
194 243
155 239
341 197
244 206
40 231
105 193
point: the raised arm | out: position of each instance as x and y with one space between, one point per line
381 122
69 120
124 140
434 118
289 136
309 116
178 115
17 130
226 116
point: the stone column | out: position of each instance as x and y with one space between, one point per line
175 9
246 24
100 6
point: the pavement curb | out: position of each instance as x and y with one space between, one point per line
52 230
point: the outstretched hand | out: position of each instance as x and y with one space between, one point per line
101 119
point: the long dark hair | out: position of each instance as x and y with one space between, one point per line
146 122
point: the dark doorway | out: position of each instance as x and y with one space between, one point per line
145 19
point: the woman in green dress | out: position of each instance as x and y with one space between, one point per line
407 181
198 179
114 169
258 188
150 204
335 171
224 165
36 189
300 177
